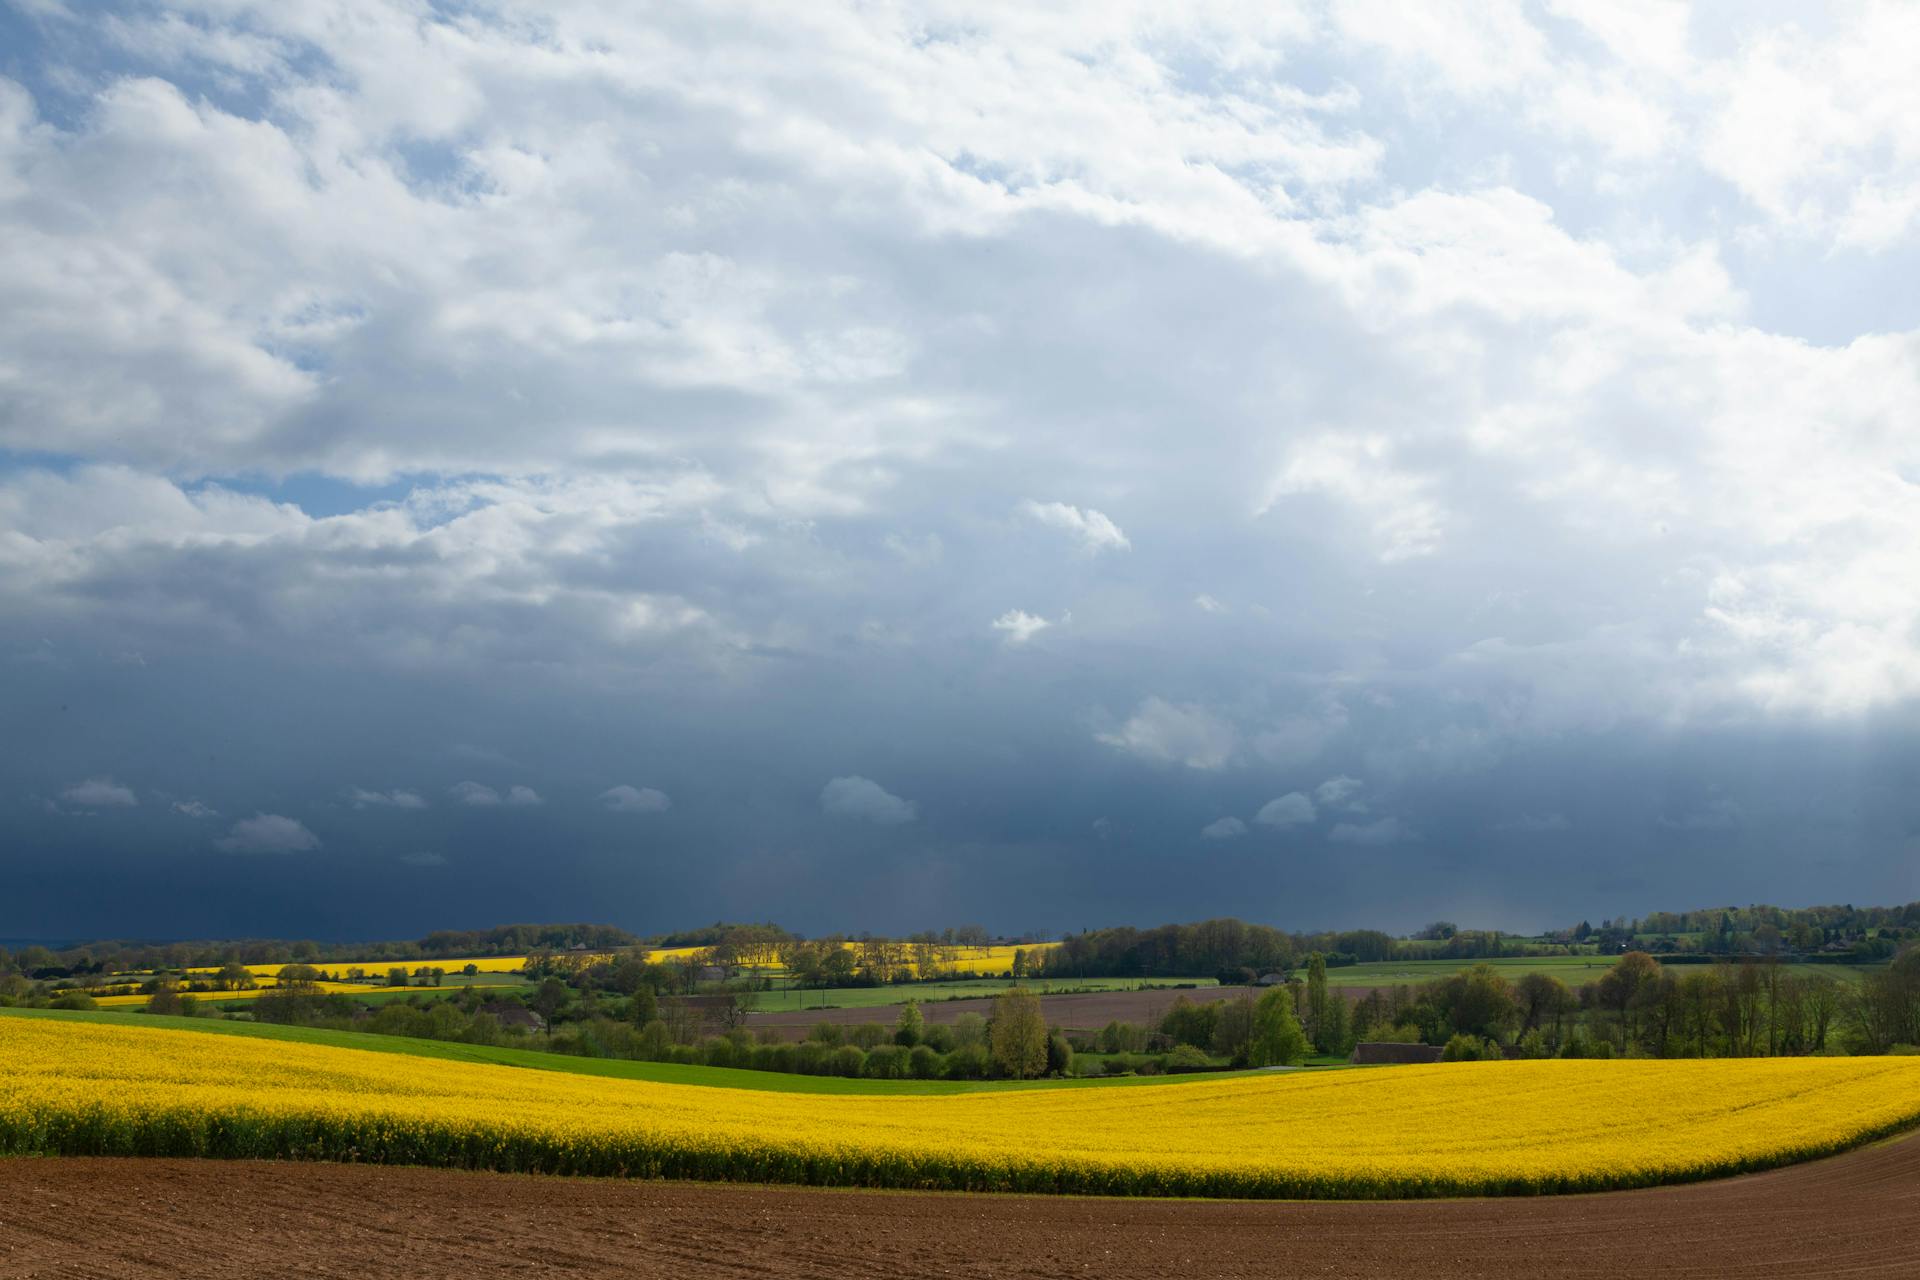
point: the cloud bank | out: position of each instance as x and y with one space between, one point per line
1490 422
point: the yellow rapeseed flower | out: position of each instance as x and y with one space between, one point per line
1457 1128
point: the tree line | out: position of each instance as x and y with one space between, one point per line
1638 1007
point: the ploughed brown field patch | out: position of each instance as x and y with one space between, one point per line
1852 1215
1087 1012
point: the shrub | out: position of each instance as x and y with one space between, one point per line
848 1060
1188 1058
924 1063
1464 1048
887 1062
967 1062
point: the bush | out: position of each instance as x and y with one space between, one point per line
848 1060
1464 1048
887 1062
718 1052
967 1062
774 1057
1059 1055
1188 1058
867 1035
1188 1023
924 1063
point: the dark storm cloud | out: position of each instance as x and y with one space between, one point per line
884 470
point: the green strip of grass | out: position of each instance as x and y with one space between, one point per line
533 1059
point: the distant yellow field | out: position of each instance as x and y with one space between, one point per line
1455 1128
338 968
325 988
991 960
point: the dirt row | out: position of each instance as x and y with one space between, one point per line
1087 1012
1856 1215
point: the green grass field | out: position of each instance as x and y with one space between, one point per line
534 1059
793 1000
1575 971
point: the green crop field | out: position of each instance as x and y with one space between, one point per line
534 1059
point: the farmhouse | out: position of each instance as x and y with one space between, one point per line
1377 1053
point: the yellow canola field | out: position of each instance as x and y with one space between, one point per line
378 968
211 997
325 988
1457 1128
990 960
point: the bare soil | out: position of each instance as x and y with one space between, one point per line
1088 1012
80 1219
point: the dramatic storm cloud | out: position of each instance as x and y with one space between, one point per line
1047 466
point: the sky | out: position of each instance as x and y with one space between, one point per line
888 466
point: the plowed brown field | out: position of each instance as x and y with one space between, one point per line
1853 1215
1088 1011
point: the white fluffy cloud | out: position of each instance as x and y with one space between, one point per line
100 793
1019 626
1223 829
862 798
368 281
626 799
1184 733
268 833
1290 810
1091 529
